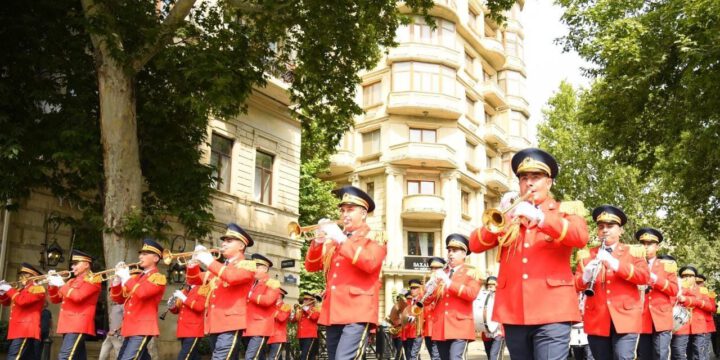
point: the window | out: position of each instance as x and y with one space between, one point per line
470 111
465 202
513 44
370 189
263 177
488 118
420 243
419 31
426 187
371 142
422 135
469 153
220 155
513 83
488 162
372 94
423 77
469 64
472 19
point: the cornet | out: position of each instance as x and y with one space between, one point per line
40 279
109 273
306 232
496 218
168 256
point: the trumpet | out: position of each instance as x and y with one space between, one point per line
306 232
40 279
109 273
496 218
589 291
168 256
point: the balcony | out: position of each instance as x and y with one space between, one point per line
518 103
495 134
424 104
341 162
495 179
517 143
495 52
493 94
430 155
436 54
423 207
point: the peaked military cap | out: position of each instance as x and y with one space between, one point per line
649 235
457 241
77 255
261 260
29 269
688 270
700 277
534 160
151 246
609 214
234 231
436 262
491 280
354 196
414 283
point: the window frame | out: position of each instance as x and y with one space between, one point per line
224 160
430 244
422 135
419 183
264 172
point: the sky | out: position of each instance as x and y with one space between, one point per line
545 61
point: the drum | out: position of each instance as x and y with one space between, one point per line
578 337
482 313
681 316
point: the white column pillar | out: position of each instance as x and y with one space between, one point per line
451 196
354 180
394 197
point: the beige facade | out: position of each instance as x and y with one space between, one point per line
445 111
261 147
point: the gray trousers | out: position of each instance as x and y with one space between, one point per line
227 345
135 348
494 348
538 342
346 342
679 347
655 346
73 347
22 349
452 349
411 348
274 351
189 349
432 348
613 347
256 348
698 347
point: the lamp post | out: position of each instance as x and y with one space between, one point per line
51 255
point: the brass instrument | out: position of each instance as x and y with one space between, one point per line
306 232
494 218
173 302
40 279
395 316
589 291
109 273
168 256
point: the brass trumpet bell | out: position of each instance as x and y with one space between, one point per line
181 258
495 219
305 233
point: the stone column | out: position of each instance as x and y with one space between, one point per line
354 180
393 210
451 196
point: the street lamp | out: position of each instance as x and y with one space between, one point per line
176 273
51 255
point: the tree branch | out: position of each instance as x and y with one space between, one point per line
100 42
172 22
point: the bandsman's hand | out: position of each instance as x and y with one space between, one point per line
180 295
608 259
653 278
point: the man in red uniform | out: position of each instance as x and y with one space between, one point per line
79 298
706 312
660 293
535 300
429 313
681 344
354 260
228 285
141 294
457 287
26 304
279 336
306 316
412 338
261 299
189 305
613 309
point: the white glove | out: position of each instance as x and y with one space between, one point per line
5 287
306 308
55 280
441 275
198 249
203 255
526 210
332 230
122 272
608 259
653 278
410 319
179 294
589 270
508 199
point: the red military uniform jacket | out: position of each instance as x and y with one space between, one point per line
261 300
352 277
709 315
191 314
453 318
307 322
617 297
281 315
659 301
227 287
141 295
26 305
79 297
706 309
693 302
535 283
409 329
428 319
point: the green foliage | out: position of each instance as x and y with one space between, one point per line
591 173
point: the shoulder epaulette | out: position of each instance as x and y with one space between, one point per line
317 308
204 290
273 283
583 254
704 290
637 251
378 236
670 266
713 295
158 279
93 279
285 307
246 264
36 289
573 207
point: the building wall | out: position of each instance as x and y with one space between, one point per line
466 87
267 126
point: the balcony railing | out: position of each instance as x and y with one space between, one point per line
423 207
424 104
430 155
496 179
